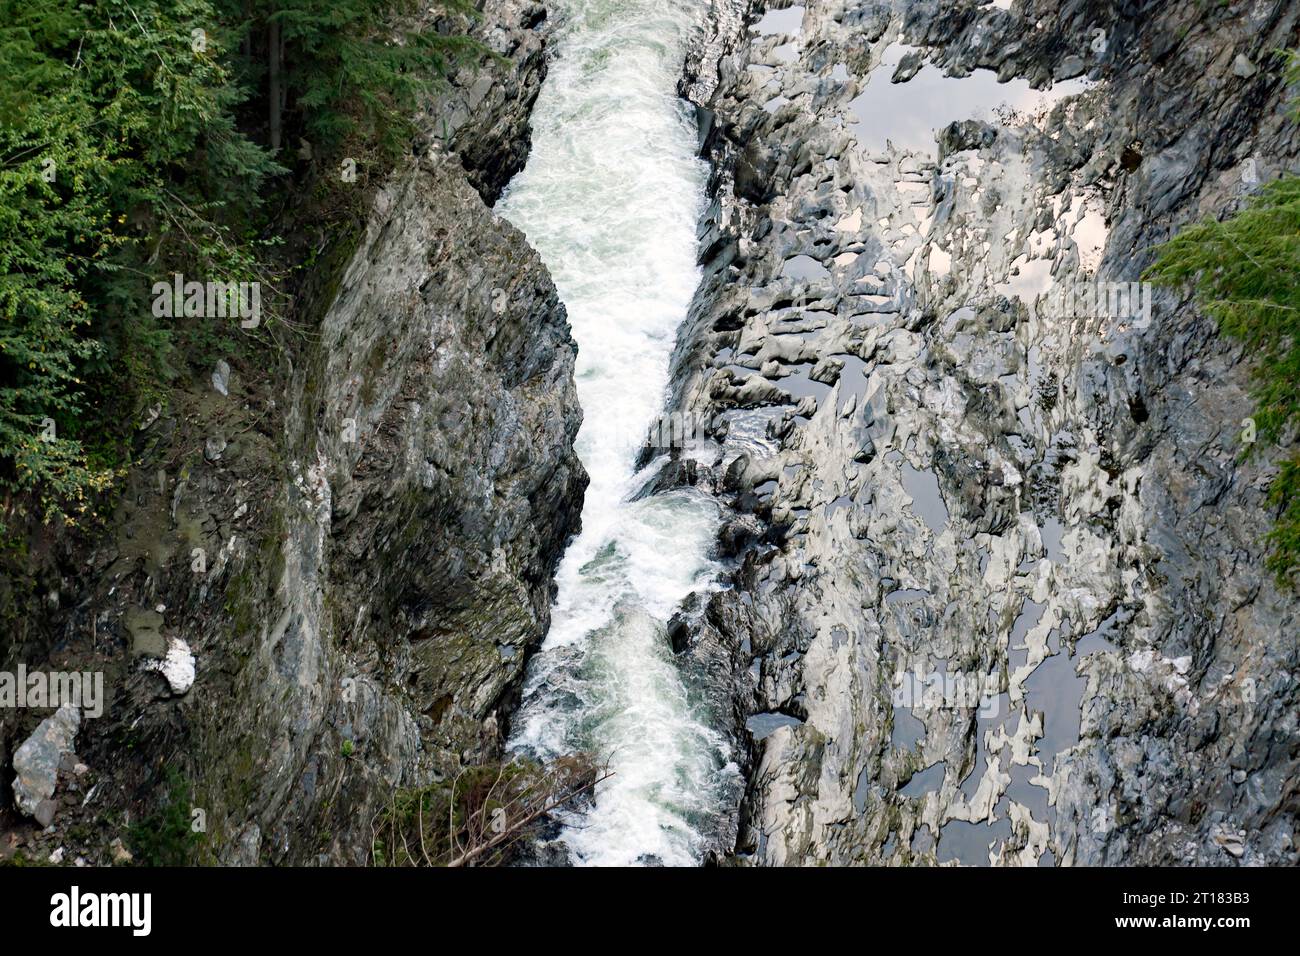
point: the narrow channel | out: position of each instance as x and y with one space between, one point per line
611 197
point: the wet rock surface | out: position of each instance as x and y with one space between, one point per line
999 594
436 486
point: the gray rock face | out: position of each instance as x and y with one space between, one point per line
344 599
36 762
1000 594
483 119
221 377
433 485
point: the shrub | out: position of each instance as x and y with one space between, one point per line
475 818
166 837
132 145
1245 273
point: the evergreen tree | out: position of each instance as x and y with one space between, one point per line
132 145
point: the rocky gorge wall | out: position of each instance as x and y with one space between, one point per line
996 588
998 591
340 584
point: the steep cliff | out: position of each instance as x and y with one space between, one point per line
999 585
357 562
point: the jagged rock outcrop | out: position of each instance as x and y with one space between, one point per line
436 486
999 587
36 762
361 564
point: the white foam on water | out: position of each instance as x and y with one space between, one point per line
610 197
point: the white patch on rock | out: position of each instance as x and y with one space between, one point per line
851 223
177 666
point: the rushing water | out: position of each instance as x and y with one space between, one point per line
610 198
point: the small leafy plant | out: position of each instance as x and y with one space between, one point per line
1244 272
166 837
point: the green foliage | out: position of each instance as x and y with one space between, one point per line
109 143
474 818
353 73
128 151
1245 273
166 837
21 859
